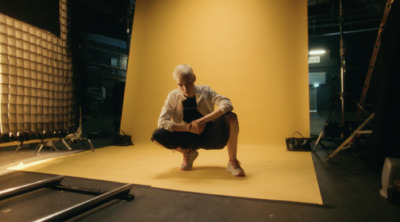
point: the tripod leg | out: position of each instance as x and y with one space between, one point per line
322 133
66 144
16 150
320 136
343 145
90 144
39 148
54 147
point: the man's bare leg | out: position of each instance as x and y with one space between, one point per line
233 165
233 136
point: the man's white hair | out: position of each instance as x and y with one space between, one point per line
182 70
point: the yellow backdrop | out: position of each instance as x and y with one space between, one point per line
253 51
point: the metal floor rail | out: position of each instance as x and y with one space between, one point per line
55 183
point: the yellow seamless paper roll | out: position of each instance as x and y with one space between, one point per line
254 52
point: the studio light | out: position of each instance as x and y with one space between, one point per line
317 52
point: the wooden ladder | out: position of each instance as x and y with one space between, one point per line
374 56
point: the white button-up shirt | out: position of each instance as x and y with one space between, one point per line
206 99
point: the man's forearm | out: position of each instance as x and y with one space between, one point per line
179 127
211 116
183 127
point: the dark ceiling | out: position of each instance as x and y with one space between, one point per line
357 16
114 17
111 18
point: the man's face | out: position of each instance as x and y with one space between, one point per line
186 85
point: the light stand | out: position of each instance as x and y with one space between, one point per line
342 67
342 93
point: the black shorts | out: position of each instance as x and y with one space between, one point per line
215 136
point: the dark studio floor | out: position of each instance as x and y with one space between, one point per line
350 192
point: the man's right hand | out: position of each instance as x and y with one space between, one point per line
195 128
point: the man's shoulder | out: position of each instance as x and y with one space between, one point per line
174 92
203 87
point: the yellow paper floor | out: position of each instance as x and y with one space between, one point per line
271 172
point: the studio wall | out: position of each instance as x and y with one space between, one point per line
254 52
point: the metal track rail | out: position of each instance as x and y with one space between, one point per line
30 186
86 205
97 197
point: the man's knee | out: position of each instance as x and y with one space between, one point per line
158 135
232 117
164 138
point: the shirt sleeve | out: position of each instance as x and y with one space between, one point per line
221 101
165 118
